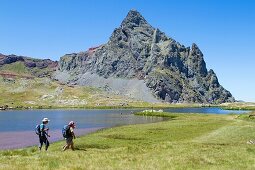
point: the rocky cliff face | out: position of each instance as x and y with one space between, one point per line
173 73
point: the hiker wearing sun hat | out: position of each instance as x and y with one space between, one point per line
43 134
68 134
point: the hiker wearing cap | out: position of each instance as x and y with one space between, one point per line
44 134
68 134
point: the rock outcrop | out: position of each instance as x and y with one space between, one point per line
37 67
173 73
10 59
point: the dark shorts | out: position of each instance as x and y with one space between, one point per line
69 140
43 139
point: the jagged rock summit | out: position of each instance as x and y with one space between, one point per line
142 62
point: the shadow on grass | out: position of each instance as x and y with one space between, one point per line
15 153
158 129
91 146
19 152
80 149
121 137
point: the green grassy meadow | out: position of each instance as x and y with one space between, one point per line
184 141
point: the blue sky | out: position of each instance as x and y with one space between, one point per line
223 29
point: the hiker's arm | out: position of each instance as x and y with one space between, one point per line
46 131
47 134
73 135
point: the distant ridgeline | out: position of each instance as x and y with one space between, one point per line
143 63
12 66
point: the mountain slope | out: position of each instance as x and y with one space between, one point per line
136 51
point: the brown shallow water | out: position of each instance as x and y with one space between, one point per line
14 140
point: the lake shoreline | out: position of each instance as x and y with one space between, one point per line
124 108
149 106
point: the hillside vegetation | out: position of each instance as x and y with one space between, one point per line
23 91
45 93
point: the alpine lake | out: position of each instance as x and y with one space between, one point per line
18 126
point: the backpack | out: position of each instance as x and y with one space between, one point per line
37 130
66 131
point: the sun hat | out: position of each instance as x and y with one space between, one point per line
71 123
45 119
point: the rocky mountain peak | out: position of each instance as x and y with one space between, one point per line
136 50
134 19
195 50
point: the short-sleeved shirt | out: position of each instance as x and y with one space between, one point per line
71 129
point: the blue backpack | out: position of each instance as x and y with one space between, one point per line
66 131
37 130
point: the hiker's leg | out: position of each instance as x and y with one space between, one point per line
68 143
47 144
66 147
43 141
72 146
40 143
63 147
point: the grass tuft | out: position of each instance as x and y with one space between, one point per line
157 114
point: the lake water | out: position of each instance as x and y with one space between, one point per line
17 126
27 119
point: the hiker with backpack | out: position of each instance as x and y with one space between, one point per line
68 134
42 132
